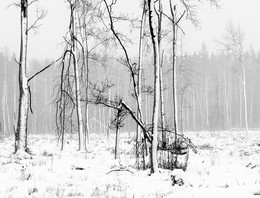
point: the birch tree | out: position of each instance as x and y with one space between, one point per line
234 42
21 130
139 75
87 16
153 25
135 69
66 89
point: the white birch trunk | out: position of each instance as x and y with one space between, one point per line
139 81
245 98
174 68
21 133
77 85
153 31
207 104
3 109
34 124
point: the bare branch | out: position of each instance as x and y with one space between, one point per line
44 69
41 14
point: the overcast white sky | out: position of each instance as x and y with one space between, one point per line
46 43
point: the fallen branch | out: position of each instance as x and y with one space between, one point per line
138 121
120 170
73 167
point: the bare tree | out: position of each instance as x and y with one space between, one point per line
21 131
234 39
69 95
139 75
82 14
153 25
24 89
88 16
73 51
135 69
6 117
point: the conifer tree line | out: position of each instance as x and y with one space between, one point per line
199 75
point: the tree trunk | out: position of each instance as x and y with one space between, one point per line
45 106
162 105
77 81
139 81
194 110
86 92
50 107
162 113
153 26
108 123
227 96
245 98
78 103
4 103
240 107
116 142
207 103
174 68
34 123
21 131
230 101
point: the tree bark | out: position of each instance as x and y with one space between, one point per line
207 103
153 26
77 81
4 103
139 80
162 113
174 65
21 131
245 97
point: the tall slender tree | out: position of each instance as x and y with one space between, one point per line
21 131
139 76
153 25
24 89
234 39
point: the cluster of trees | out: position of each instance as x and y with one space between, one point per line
211 94
98 81
200 74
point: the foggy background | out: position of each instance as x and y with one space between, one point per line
209 92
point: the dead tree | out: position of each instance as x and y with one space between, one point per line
135 70
139 76
88 16
181 147
117 123
153 25
99 97
21 130
69 95
162 113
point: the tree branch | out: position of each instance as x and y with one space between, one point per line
44 69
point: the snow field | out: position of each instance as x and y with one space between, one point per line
227 165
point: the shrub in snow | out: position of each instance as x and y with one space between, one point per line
177 177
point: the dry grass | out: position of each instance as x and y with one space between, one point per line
49 172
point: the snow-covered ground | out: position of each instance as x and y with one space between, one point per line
227 165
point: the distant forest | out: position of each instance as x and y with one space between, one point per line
210 95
